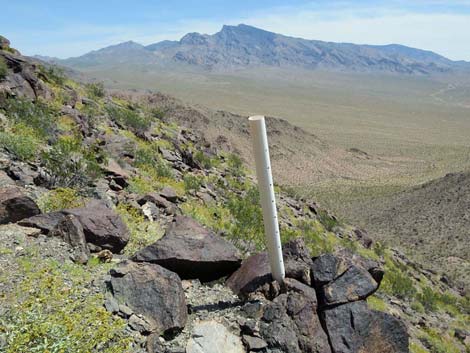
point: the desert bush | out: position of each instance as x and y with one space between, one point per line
53 74
204 160
21 142
436 342
192 183
53 311
247 217
3 68
148 158
328 221
235 165
379 248
59 199
158 113
428 298
95 90
129 118
397 283
142 231
214 216
38 116
69 164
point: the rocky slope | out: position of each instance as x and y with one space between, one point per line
244 46
122 231
433 217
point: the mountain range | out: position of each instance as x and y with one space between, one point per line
243 46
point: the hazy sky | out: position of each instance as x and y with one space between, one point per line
70 28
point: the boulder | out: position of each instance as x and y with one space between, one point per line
353 328
354 284
255 272
45 221
169 193
324 269
152 292
71 231
102 226
15 205
192 252
213 337
291 323
328 267
158 201
302 307
116 173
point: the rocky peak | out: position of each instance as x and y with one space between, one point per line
194 39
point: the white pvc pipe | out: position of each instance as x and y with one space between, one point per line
266 191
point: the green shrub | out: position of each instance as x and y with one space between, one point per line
328 221
316 238
157 113
22 143
53 74
54 311
129 118
235 165
247 221
397 283
59 199
95 90
3 68
428 298
70 164
143 232
379 248
38 116
438 342
192 183
148 158
418 307
204 160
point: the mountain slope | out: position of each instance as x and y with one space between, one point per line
432 221
245 46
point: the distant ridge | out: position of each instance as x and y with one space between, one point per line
243 46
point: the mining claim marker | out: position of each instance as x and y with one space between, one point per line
266 191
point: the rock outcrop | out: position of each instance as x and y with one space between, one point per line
15 205
192 251
321 306
153 294
103 227
71 231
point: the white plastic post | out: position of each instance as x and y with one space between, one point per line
266 191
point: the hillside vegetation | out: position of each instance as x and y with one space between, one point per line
129 159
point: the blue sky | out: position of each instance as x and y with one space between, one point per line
71 28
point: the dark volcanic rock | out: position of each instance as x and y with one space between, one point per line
46 221
353 328
102 226
192 251
324 269
329 267
152 291
15 206
70 229
255 273
355 284
291 323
